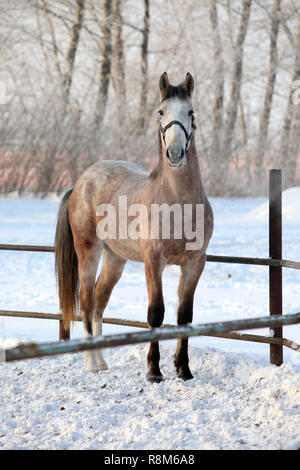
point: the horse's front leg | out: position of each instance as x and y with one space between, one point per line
156 309
190 274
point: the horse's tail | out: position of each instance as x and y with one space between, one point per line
66 264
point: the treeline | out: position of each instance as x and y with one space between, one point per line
79 82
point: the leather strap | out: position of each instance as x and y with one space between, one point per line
178 123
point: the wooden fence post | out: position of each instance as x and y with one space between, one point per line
275 252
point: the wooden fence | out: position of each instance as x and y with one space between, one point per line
220 329
33 350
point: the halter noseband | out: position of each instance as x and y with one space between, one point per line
178 123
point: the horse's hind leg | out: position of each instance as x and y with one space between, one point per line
112 268
88 260
190 274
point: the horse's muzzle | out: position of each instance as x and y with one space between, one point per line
176 158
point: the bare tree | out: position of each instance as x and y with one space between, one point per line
73 46
77 49
105 72
118 62
144 65
290 133
61 137
235 91
265 114
43 7
217 113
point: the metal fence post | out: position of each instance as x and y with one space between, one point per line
275 251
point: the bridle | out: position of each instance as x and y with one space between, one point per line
178 123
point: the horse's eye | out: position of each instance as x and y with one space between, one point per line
191 112
161 112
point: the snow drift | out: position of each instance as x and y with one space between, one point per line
290 208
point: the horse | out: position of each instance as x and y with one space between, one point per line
175 182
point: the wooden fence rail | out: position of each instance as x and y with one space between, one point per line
210 258
34 350
140 324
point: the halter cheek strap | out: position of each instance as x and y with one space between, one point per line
178 123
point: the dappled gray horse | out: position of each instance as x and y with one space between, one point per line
175 182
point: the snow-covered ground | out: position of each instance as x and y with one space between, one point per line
236 401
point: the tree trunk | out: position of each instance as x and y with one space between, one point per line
72 50
118 62
144 65
265 115
235 93
219 92
106 64
51 30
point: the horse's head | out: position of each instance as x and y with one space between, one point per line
176 118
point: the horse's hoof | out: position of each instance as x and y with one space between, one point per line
103 366
185 375
93 371
154 378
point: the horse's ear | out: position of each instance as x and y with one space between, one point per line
163 84
189 84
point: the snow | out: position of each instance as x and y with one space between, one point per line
290 208
233 402
237 400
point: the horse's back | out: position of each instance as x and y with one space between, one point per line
114 168
99 184
102 180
